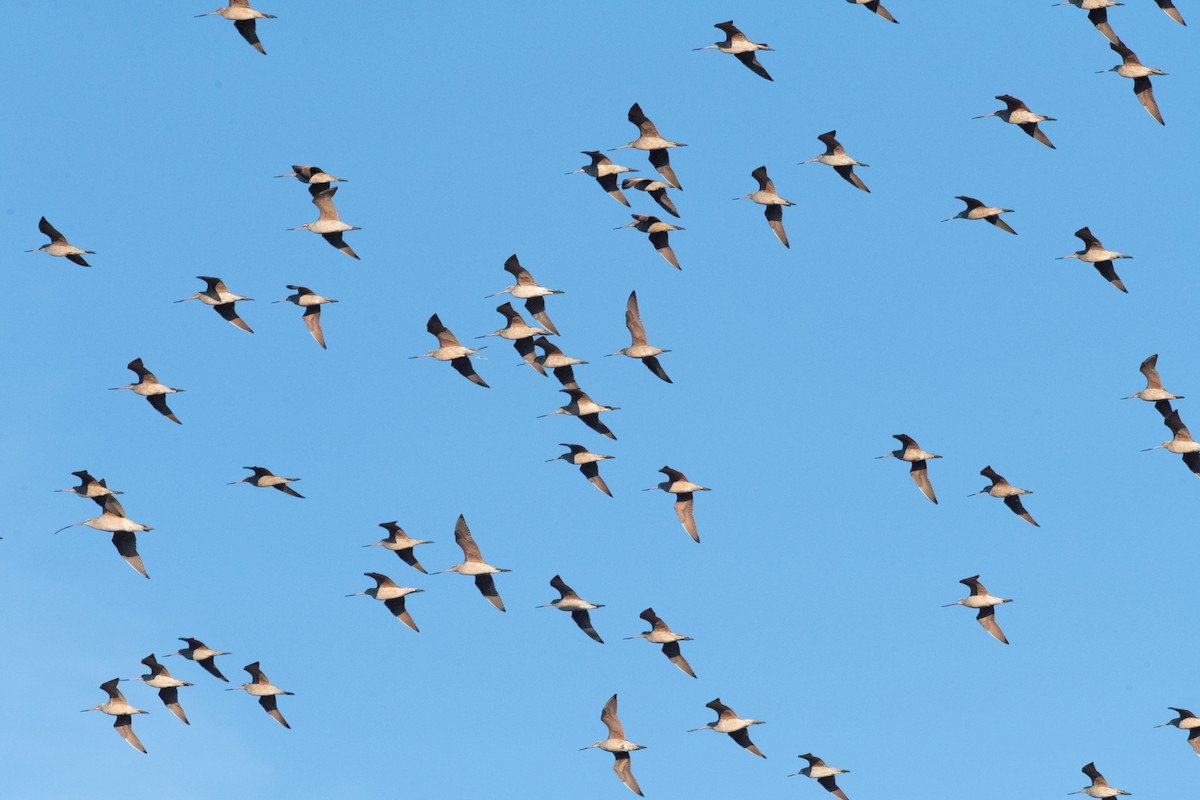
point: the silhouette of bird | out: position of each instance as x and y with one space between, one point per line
264 478
730 723
649 139
450 349
221 299
1017 113
149 388
311 302
1011 494
1099 787
243 17
574 604
658 235
835 156
736 44
474 565
659 633
823 774
985 603
587 462
328 224
605 172
117 706
1130 67
618 745
264 690
765 196
678 485
59 246
1094 253
911 452
977 210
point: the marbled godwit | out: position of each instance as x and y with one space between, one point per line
1011 494
977 210
736 44
263 477
117 707
222 300
658 235
765 196
605 172
316 179
823 774
1154 391
1017 113
91 488
875 7
1099 787
527 289
263 689
649 139
1170 10
576 605
59 246
730 723
1130 67
449 349
555 359
1097 15
656 189
168 687
640 348
580 457
311 302
392 595
1181 443
474 565
980 599
911 452
399 543
678 485
203 655
243 17
519 333
618 745
149 388
1186 721
328 224
587 409
835 156
123 529
659 633
1094 253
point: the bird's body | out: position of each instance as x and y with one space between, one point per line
1181 442
587 409
243 16
616 743
59 246
575 605
149 387
113 520
605 172
736 44
264 690
911 453
977 210
202 654
683 489
650 139
1094 253
835 156
660 634
328 224
765 196
656 189
823 774
578 455
450 349
117 706
311 302
474 565
527 289
216 294
1186 721
1099 787
264 478
1004 490
401 544
89 487
1154 391
639 347
730 723
391 595
657 229
520 333
1131 68
980 600
1017 113
316 179
168 686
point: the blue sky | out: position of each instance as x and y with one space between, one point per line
814 596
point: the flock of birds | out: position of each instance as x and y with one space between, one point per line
529 339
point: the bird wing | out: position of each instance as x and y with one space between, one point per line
1105 268
661 161
673 474
624 769
229 313
593 422
566 376
464 539
512 265
1084 234
409 557
396 606
77 259
645 126
608 716
444 336
774 215
525 348
159 401
591 471
124 726
652 364
283 487
1099 18
660 197
721 709
246 28
170 698
987 618
970 201
312 321
750 59
847 172
633 320
560 585
1171 11
110 504
48 229
110 688
584 621
993 476
324 203
1149 369
269 705
1001 224
683 510
661 244
1033 130
1013 103
126 544
210 666
832 147
742 737
764 183
609 184
339 243
920 476
877 7
487 587
671 651
1091 771
1014 503
467 370
536 306
1145 96
830 784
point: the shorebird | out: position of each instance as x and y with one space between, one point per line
519 333
605 172
117 707
587 409
386 590
1186 721
1094 253
149 388
311 302
1097 15
656 189
736 44
474 565
315 178
823 774
1130 67
449 349
221 299
874 6
678 485
730 723
1011 494
977 210
1017 113
765 196
618 745
527 289
659 633
203 655
1181 443
123 529
263 689
1153 393
243 17
1099 787
911 452
649 139
835 156
576 605
980 599
640 348
327 223
399 543
91 488
580 457
263 478
555 359
59 246
1170 10
658 235
168 687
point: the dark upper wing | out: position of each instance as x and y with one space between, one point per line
246 28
